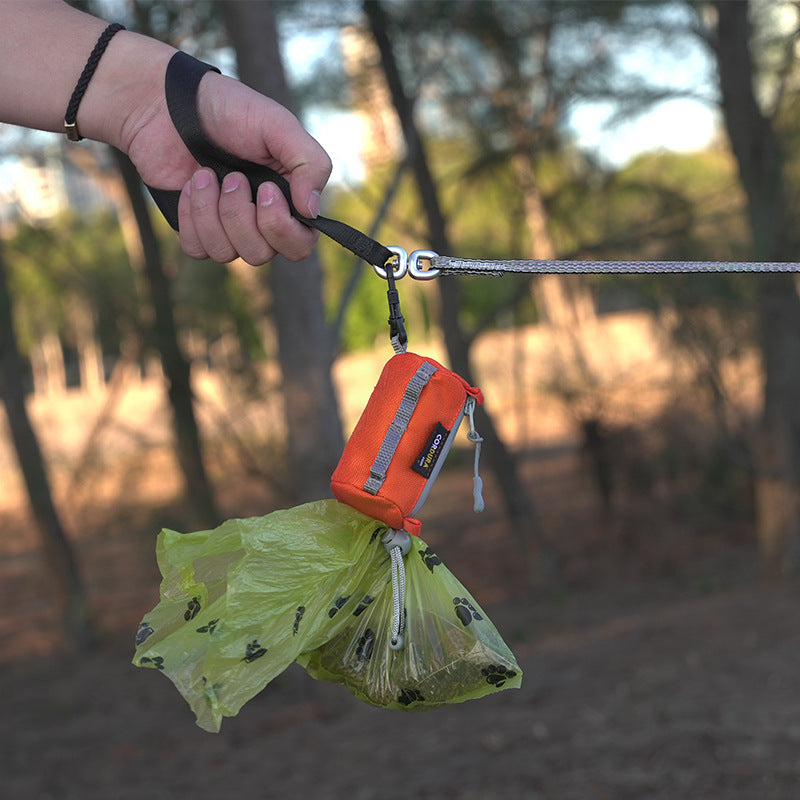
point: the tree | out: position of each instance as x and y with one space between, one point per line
144 252
305 345
518 503
762 169
58 551
509 97
754 128
177 370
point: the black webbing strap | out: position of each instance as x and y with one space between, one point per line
184 74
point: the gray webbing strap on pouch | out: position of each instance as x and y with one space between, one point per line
397 427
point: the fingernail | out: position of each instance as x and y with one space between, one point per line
231 182
266 194
201 179
313 204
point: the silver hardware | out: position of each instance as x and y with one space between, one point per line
412 264
399 267
416 271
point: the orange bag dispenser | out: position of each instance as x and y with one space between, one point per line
400 442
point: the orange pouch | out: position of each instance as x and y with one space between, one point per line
401 440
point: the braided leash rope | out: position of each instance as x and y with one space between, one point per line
469 266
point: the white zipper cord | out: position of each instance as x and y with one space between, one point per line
476 439
398 599
397 544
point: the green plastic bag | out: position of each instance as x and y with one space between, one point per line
240 603
452 651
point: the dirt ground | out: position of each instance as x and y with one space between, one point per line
661 666
695 698
637 685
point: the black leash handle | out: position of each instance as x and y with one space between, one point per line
183 77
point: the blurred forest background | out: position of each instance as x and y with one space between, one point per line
642 433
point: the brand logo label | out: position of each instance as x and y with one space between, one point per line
426 460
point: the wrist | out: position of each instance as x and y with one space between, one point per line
126 90
70 121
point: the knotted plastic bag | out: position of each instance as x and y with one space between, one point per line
243 601
451 652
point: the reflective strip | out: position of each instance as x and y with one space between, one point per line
377 473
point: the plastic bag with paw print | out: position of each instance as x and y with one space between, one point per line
314 584
450 650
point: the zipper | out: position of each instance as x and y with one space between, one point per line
476 439
477 483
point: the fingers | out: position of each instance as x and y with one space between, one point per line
223 223
291 238
201 231
238 216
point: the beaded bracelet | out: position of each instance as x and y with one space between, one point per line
70 123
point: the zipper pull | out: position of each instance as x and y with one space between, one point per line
476 439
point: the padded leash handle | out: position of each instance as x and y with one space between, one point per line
182 82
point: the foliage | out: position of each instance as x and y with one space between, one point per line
662 206
81 256
211 302
195 26
491 78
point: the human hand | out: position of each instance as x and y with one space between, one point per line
125 106
222 222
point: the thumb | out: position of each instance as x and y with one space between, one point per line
256 128
308 180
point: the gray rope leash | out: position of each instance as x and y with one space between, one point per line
447 265
424 265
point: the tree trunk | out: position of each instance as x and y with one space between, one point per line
305 343
562 300
57 549
760 164
47 362
177 371
82 320
502 462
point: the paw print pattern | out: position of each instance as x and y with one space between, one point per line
209 627
253 651
362 606
156 661
297 617
192 609
465 611
144 632
340 601
429 558
409 696
497 674
365 644
211 691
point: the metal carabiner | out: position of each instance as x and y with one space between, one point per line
414 269
404 263
398 271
